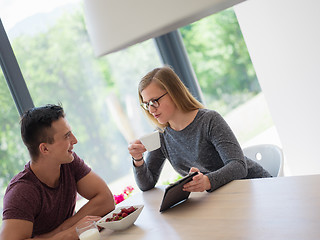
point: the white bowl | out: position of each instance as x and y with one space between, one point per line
124 222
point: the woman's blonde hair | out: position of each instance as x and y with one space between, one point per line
168 80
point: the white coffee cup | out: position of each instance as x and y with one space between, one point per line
151 141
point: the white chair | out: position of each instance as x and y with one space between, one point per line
269 156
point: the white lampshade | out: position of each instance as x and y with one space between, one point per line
117 24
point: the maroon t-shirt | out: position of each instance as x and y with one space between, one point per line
27 198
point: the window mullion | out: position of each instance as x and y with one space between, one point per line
13 75
173 53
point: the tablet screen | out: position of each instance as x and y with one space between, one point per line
174 194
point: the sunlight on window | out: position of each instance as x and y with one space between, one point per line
222 64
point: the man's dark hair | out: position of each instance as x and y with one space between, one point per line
35 126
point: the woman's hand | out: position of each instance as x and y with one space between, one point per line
136 150
199 182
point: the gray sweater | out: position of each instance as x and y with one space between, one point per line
208 144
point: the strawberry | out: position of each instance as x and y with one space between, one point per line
124 212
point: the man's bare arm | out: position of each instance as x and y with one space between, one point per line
101 200
16 229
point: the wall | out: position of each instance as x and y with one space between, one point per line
283 39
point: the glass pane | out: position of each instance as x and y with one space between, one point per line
99 95
223 67
13 154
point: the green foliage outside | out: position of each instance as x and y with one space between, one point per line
12 150
58 65
221 61
51 61
168 182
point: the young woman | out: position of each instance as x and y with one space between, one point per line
193 138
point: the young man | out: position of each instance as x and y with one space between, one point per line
40 201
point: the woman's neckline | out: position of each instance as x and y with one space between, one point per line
188 122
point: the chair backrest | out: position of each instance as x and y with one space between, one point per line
269 156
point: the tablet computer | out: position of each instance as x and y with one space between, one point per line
174 194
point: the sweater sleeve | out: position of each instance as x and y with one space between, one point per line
227 146
147 175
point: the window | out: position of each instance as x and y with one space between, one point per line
99 95
223 67
13 154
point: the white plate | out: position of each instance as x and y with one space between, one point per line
124 222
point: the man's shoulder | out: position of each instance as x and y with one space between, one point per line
22 190
77 168
24 180
25 175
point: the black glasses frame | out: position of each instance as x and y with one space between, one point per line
154 103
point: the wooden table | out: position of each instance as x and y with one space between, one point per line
285 208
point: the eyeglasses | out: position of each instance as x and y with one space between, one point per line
153 103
